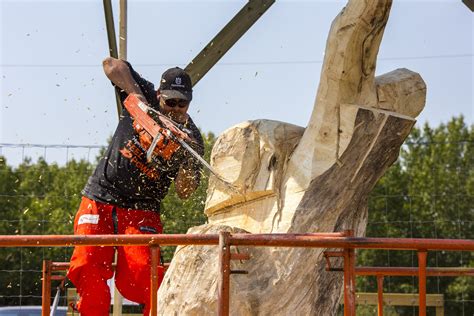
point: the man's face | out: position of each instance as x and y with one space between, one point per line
176 109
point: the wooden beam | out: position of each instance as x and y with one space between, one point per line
123 30
469 4
226 38
111 37
122 54
109 23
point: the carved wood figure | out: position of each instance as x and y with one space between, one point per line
302 180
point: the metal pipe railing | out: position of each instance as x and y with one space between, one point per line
378 272
155 261
381 272
340 240
46 287
266 240
224 269
422 282
349 280
380 295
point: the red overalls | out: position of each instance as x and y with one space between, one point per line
91 266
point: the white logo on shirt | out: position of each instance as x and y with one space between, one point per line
88 219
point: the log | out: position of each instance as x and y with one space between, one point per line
302 180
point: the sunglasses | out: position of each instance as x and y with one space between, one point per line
176 102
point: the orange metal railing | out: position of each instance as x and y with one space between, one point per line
224 240
381 272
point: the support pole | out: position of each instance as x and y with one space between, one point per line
109 23
122 54
469 4
123 30
224 275
349 280
380 295
226 38
46 288
155 261
422 282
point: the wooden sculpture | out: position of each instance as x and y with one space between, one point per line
300 180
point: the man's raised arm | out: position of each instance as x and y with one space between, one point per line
119 73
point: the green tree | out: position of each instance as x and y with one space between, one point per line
8 224
40 199
428 193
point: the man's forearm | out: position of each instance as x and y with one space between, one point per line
119 73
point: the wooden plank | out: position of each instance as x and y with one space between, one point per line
400 299
226 38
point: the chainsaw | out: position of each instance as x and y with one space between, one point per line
163 137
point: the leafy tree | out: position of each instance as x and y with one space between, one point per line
8 222
40 199
428 193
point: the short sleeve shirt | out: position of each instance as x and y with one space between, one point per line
123 176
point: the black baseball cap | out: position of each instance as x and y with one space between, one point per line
176 84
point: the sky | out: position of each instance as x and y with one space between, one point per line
53 90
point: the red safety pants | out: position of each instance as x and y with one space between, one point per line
91 266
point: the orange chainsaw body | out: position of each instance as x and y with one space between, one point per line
148 129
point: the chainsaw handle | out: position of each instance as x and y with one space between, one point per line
173 128
140 97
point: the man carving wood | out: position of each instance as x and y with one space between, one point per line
123 195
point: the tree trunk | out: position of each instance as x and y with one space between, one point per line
302 180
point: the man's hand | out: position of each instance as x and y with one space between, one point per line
141 97
119 73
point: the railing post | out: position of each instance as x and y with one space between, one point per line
349 279
380 295
46 288
422 282
224 274
155 261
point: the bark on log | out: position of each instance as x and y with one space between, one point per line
300 180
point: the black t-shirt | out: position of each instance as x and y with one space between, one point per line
123 176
